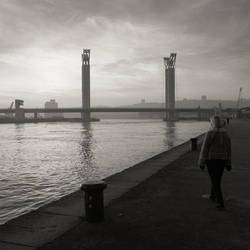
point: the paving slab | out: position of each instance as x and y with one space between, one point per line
72 204
7 246
35 229
116 191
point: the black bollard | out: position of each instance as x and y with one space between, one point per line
194 144
94 207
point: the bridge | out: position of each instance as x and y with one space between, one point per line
170 112
200 113
108 109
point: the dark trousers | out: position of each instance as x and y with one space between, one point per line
215 169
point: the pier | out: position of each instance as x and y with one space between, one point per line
157 204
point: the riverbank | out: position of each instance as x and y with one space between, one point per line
38 120
168 211
45 224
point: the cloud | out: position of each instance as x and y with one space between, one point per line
41 42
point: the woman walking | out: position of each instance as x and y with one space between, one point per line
216 155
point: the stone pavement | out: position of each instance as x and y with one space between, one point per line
168 211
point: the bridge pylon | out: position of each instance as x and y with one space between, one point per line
19 112
86 85
169 63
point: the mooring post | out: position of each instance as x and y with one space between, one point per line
194 143
94 203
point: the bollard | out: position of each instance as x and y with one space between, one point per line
94 207
193 144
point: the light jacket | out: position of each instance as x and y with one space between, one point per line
216 146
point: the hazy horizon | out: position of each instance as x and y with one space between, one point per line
243 102
42 41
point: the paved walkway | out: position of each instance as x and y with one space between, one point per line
167 210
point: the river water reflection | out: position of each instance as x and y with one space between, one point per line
45 161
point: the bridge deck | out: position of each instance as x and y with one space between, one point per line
79 110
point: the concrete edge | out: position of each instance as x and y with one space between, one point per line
127 179
164 153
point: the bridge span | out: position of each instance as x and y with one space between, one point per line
179 113
108 109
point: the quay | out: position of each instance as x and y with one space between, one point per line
157 204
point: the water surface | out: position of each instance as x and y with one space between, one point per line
42 162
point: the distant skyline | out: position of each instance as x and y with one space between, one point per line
42 41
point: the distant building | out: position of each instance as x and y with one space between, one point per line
203 97
143 101
52 104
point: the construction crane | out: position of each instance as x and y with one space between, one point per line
9 114
238 101
238 113
11 105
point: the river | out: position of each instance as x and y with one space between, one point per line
42 162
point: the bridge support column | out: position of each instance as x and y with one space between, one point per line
199 113
19 113
169 63
35 115
86 85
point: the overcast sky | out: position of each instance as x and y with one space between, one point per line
42 41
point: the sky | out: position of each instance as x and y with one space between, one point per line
42 41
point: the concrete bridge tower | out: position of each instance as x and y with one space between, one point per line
86 85
19 112
169 63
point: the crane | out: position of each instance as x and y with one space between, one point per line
238 113
9 114
238 101
11 105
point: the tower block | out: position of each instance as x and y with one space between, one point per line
86 85
169 63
